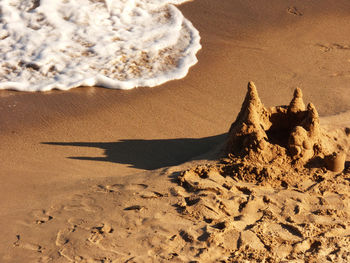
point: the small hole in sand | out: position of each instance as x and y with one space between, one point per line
220 226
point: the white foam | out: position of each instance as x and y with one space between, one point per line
120 44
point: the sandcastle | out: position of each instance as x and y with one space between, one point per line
264 134
280 146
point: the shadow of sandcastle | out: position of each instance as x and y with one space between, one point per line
148 154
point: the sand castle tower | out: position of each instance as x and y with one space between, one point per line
262 134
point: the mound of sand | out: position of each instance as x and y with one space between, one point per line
264 134
282 145
289 134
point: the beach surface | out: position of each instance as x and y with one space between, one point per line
88 175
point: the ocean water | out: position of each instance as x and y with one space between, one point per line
119 44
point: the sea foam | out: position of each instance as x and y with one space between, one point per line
119 44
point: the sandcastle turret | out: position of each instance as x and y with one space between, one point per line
297 103
304 140
252 96
264 133
247 132
313 121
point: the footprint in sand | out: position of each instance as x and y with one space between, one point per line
38 216
334 46
120 187
151 194
126 187
134 208
62 237
294 11
26 245
78 223
95 237
83 202
99 232
341 46
135 188
341 74
41 216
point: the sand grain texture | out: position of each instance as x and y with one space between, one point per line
239 208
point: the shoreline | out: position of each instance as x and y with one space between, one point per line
242 45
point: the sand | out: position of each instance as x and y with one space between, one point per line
77 164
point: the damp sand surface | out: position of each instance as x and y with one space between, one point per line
87 153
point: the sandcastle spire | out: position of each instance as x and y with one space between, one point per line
313 112
314 122
264 134
252 95
251 101
248 122
297 103
251 88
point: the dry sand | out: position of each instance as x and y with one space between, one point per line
74 179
